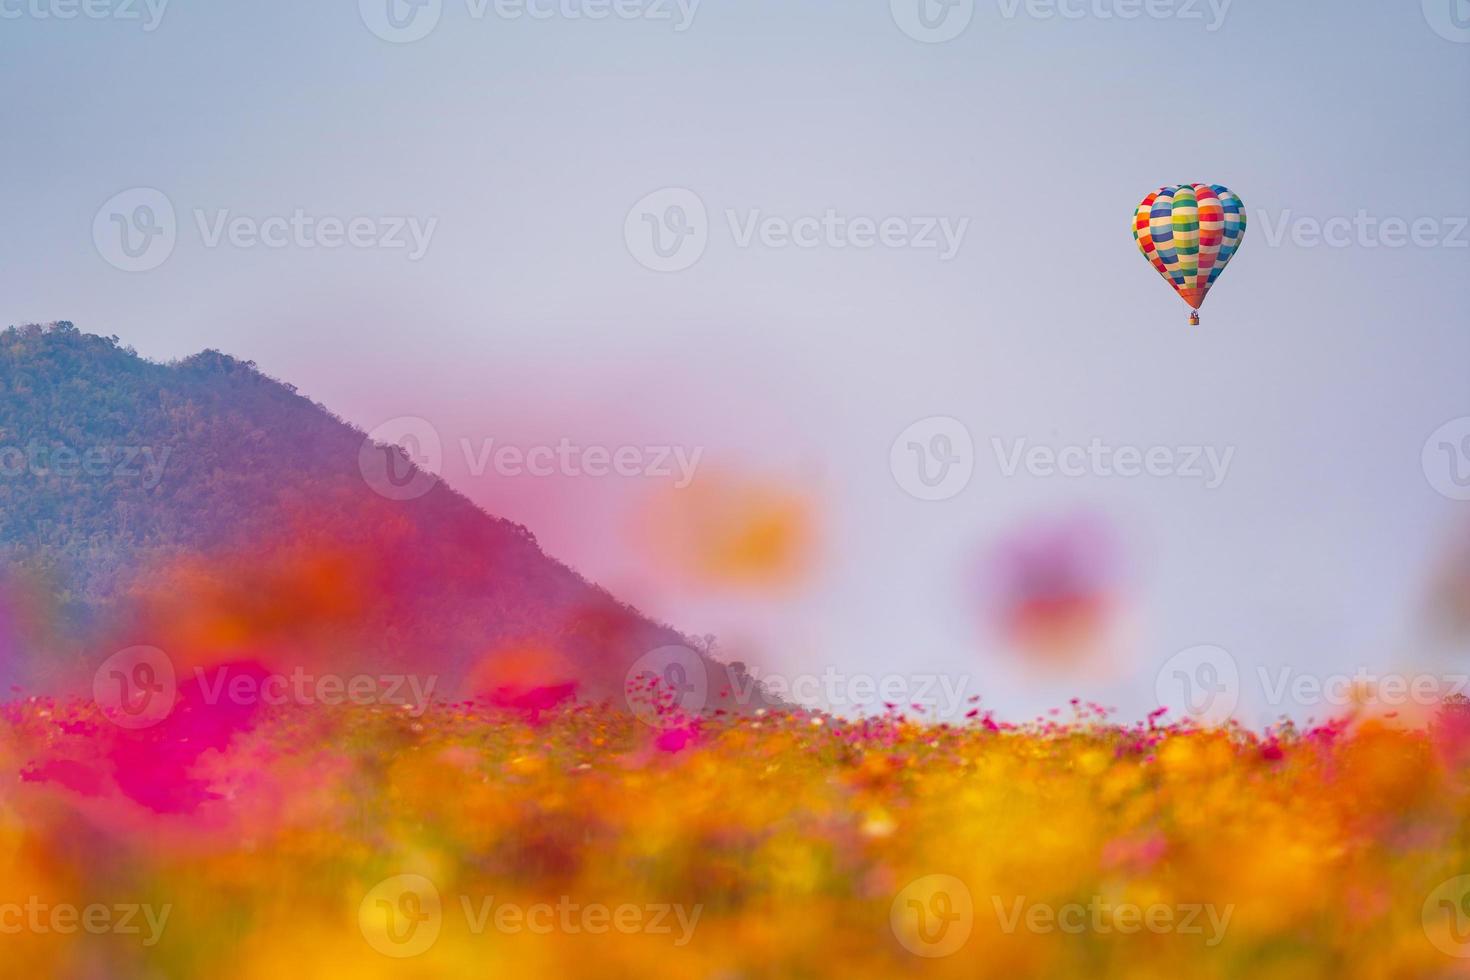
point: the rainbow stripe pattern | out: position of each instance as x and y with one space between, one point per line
1189 232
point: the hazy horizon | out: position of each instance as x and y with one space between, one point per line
536 315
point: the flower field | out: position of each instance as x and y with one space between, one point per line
578 841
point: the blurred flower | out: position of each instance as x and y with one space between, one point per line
731 532
1052 588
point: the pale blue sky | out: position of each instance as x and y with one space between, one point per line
529 320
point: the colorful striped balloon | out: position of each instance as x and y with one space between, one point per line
1190 232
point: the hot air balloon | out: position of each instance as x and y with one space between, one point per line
1190 232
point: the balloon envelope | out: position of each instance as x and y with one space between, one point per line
1189 232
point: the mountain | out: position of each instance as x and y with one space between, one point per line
211 511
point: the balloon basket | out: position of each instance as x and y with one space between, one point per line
1194 319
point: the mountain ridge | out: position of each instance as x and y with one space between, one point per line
204 505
